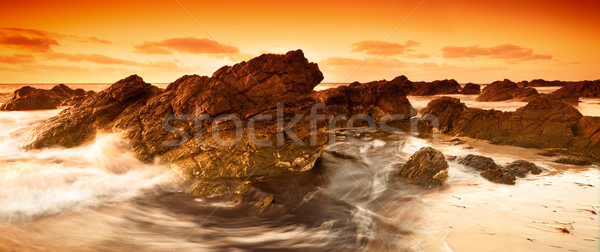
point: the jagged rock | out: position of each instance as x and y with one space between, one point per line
471 88
520 168
241 91
574 90
426 167
435 87
29 98
506 90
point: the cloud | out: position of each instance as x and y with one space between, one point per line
37 40
107 60
384 48
185 45
505 51
17 59
373 62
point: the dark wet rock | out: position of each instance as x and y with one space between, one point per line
435 87
426 167
29 98
550 153
471 89
574 90
490 170
480 163
499 176
573 161
521 168
543 83
506 90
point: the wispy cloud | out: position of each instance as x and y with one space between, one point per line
107 60
17 59
185 45
505 51
384 48
38 40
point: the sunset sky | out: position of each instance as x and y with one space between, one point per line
470 41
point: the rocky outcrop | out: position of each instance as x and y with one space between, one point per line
201 125
506 90
574 90
29 98
480 163
471 89
435 87
542 123
426 167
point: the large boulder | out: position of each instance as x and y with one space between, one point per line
446 110
506 90
29 98
426 167
435 87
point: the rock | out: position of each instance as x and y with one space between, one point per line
387 96
542 123
499 176
520 168
489 169
574 90
241 91
29 98
435 87
573 161
506 90
480 163
426 167
470 89
446 110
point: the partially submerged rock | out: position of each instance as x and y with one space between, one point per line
29 98
506 90
480 163
471 89
426 167
521 168
435 87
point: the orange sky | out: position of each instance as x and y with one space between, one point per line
477 41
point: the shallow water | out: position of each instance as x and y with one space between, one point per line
100 197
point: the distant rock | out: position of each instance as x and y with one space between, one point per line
542 123
506 90
471 89
543 83
573 161
29 98
574 90
388 97
435 87
426 167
